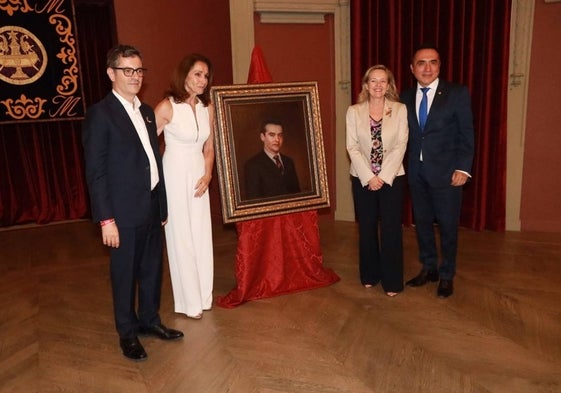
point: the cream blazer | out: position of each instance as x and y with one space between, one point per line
395 133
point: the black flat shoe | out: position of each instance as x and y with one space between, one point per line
445 288
132 349
161 332
423 277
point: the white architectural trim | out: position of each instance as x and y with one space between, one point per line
243 38
326 6
521 26
292 17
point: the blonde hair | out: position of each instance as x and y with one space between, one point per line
391 94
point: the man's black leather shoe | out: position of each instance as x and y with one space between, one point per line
445 288
132 348
161 331
423 277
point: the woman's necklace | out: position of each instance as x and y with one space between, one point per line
376 111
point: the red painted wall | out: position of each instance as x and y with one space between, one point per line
541 189
167 31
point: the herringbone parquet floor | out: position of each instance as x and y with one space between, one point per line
500 331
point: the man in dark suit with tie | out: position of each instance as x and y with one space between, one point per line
440 155
270 173
128 199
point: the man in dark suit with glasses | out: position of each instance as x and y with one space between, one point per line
128 199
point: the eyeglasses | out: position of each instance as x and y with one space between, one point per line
128 71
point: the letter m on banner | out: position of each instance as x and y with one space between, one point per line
40 78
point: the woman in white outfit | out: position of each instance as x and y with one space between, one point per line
185 117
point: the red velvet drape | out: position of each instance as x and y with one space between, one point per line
276 256
473 39
42 173
41 165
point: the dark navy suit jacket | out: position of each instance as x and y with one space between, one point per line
447 141
117 168
263 179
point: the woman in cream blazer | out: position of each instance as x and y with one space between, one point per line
377 135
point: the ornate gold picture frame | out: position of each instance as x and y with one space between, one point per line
241 113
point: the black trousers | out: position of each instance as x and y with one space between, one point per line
443 205
379 215
136 266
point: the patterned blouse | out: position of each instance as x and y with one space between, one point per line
377 152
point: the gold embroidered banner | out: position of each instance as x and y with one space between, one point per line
40 77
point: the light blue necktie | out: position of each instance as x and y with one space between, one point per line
423 108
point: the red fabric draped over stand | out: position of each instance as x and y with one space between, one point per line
276 256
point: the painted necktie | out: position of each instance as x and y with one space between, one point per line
279 163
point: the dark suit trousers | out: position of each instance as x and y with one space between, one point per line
379 216
443 205
137 266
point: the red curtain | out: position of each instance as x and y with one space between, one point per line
41 165
473 39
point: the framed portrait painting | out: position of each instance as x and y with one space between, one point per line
269 149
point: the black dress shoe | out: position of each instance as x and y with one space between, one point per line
132 348
161 331
423 277
445 288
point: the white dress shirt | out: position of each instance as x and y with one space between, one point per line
133 110
430 96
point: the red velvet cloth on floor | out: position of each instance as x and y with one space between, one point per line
276 256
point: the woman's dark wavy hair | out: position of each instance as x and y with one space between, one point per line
177 85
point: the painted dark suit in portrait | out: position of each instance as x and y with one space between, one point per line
264 179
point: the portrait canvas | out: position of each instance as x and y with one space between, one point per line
249 119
